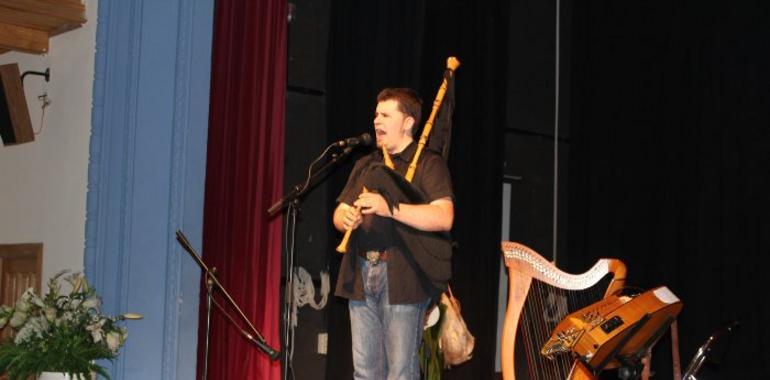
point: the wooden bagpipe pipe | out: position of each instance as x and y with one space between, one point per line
381 177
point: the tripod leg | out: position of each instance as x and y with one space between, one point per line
209 296
675 350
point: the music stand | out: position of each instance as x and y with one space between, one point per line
630 364
213 282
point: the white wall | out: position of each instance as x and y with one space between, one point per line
43 183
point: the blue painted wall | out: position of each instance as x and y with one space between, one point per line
146 176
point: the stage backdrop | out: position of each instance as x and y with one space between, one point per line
244 176
670 151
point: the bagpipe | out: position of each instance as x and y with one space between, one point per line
432 251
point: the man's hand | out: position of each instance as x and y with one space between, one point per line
438 215
351 218
373 203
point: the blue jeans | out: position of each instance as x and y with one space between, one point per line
385 337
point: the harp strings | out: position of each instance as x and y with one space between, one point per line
543 309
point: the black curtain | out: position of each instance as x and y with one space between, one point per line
405 43
669 162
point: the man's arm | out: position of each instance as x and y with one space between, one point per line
435 216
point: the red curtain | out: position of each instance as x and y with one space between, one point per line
244 176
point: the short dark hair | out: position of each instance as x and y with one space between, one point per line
409 102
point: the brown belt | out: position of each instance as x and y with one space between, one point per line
374 257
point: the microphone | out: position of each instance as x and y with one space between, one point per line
271 353
364 140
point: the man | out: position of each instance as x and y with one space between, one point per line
384 275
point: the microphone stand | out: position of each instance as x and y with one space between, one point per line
291 201
211 283
300 189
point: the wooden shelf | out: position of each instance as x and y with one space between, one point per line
26 25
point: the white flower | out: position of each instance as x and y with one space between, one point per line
37 301
3 321
50 313
33 328
96 330
18 318
91 303
25 301
65 318
39 325
74 304
23 334
114 341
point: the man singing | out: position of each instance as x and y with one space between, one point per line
388 278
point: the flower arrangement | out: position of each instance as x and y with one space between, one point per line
59 332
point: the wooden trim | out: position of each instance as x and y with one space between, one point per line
51 24
26 25
67 10
19 38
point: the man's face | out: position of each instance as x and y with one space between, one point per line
392 127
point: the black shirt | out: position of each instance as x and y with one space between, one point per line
407 282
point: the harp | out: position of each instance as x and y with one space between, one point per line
539 297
